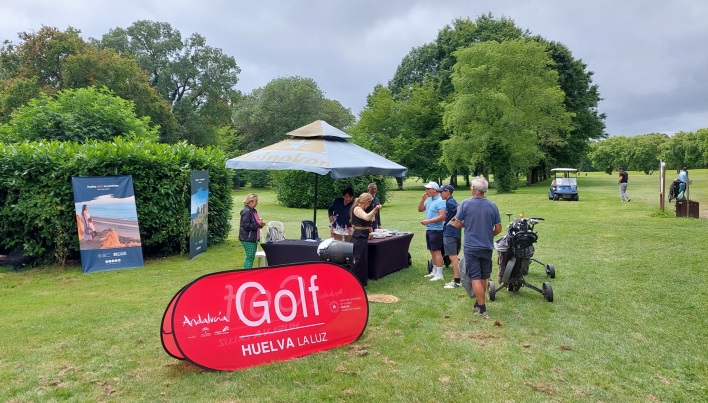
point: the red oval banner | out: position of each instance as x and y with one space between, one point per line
242 318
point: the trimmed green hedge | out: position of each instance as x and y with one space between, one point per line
296 188
37 202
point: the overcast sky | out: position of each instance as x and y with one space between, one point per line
650 58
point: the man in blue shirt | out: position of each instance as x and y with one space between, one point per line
481 220
434 207
683 178
683 175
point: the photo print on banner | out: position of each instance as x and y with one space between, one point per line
107 222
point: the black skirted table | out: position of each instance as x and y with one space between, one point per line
290 251
386 255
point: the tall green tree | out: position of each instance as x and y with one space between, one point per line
40 55
284 104
436 60
378 122
686 149
609 154
34 65
581 99
702 135
122 75
191 75
264 116
406 130
506 103
646 151
419 64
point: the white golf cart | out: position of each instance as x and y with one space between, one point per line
564 185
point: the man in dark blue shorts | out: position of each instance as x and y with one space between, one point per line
434 207
451 235
481 220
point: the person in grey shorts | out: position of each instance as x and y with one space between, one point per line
451 235
481 221
623 182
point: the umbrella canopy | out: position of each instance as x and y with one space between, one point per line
320 148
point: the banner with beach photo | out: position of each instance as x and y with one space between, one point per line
199 228
107 222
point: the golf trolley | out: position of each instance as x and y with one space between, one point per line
515 254
675 191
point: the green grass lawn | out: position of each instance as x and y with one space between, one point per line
628 322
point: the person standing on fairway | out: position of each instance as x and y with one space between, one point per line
623 180
481 220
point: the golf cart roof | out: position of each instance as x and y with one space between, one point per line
564 170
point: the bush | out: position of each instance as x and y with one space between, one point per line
258 179
78 115
297 188
38 209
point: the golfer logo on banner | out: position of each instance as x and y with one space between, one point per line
107 222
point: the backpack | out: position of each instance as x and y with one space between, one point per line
275 234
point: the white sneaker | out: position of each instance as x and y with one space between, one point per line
451 284
430 275
436 278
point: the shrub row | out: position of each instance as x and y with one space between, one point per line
296 188
37 204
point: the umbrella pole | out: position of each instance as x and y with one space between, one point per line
314 202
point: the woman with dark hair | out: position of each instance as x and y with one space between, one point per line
361 222
250 231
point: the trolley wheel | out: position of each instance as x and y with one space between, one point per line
492 291
576 197
430 266
548 291
550 271
555 197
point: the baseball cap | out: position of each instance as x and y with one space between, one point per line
432 185
449 188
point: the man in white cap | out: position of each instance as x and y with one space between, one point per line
434 207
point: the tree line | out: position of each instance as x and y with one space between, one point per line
645 152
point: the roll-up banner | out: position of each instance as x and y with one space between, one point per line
107 222
199 227
242 318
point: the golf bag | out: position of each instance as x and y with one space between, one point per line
675 190
514 255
